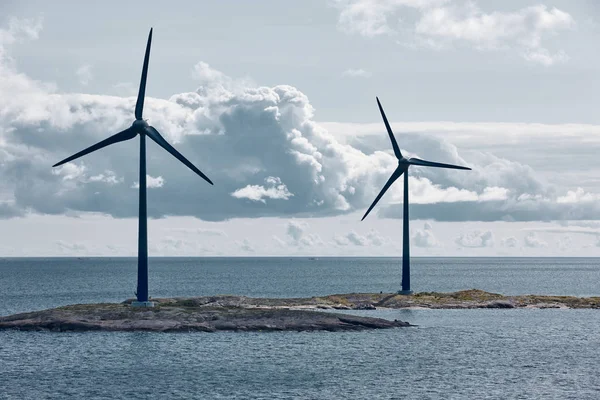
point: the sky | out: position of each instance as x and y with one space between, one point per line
275 102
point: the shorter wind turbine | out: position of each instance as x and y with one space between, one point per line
140 127
402 168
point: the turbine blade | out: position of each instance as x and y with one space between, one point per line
153 134
139 105
424 163
397 173
127 134
389 129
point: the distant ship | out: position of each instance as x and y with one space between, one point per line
312 258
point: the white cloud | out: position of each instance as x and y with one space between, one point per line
356 73
425 237
510 241
440 23
298 236
212 80
423 191
78 174
577 196
276 191
476 239
84 74
240 135
151 182
493 193
533 241
370 17
544 57
373 238
356 239
565 243
20 29
296 229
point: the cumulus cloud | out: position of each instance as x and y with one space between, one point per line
256 143
577 196
565 243
18 30
151 182
476 239
276 190
356 73
216 82
441 23
79 173
510 241
235 133
375 238
533 241
425 237
298 236
352 238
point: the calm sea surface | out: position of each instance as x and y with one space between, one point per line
452 354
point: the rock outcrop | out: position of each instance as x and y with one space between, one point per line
188 316
472 298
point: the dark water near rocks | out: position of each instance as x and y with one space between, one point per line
452 354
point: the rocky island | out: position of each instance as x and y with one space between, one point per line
241 313
200 314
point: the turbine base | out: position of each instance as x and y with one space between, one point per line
145 304
404 292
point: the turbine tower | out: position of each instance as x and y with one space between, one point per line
140 127
403 164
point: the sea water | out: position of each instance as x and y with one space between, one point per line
451 354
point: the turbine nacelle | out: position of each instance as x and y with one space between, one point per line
139 125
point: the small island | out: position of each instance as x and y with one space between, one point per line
241 313
201 314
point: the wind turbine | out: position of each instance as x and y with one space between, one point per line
140 127
403 164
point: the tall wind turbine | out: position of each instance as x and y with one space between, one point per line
403 164
140 127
